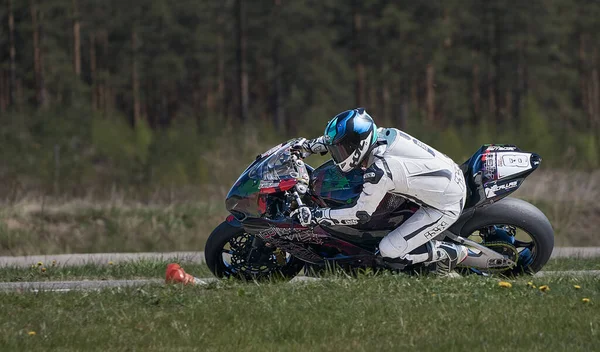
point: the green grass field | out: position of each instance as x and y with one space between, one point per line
183 221
385 312
156 269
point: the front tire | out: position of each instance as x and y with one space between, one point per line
240 243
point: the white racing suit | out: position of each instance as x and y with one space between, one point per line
403 165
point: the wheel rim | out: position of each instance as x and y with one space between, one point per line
522 240
237 259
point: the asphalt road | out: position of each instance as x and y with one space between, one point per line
198 257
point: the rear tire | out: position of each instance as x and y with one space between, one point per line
213 254
523 215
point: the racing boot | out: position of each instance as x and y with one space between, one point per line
176 274
446 256
419 255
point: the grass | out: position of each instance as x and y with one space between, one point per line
388 313
182 219
82 227
127 270
156 269
563 264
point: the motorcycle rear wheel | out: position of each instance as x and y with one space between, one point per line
522 216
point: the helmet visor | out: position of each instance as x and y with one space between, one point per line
340 152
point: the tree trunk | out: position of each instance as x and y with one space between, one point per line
372 101
430 93
278 109
76 39
242 74
595 96
38 58
475 90
93 70
491 54
359 67
103 86
385 96
3 92
583 73
135 81
221 69
12 81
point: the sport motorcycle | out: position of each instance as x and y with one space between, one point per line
262 237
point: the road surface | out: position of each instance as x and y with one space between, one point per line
198 257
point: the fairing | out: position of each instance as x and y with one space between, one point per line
271 172
334 187
496 171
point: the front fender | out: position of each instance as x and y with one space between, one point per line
232 221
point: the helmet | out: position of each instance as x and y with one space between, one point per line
350 137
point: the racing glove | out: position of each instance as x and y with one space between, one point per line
308 217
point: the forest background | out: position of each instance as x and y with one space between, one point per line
164 102
146 94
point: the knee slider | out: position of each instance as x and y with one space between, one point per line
393 246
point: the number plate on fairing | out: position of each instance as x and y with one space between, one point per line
499 165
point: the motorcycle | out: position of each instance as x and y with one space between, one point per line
262 237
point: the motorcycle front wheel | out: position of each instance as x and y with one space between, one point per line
231 252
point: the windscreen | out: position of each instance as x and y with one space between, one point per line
275 166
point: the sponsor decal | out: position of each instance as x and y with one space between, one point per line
271 151
348 222
423 146
492 148
268 184
490 166
436 230
358 152
459 177
493 190
291 234
368 175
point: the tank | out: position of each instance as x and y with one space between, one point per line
334 187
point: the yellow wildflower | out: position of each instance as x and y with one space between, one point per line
40 264
505 284
31 333
577 287
43 269
110 263
585 300
544 288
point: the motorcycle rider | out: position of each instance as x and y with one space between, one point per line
393 162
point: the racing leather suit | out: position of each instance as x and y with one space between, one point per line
403 165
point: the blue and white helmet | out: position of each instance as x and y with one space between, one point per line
349 137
